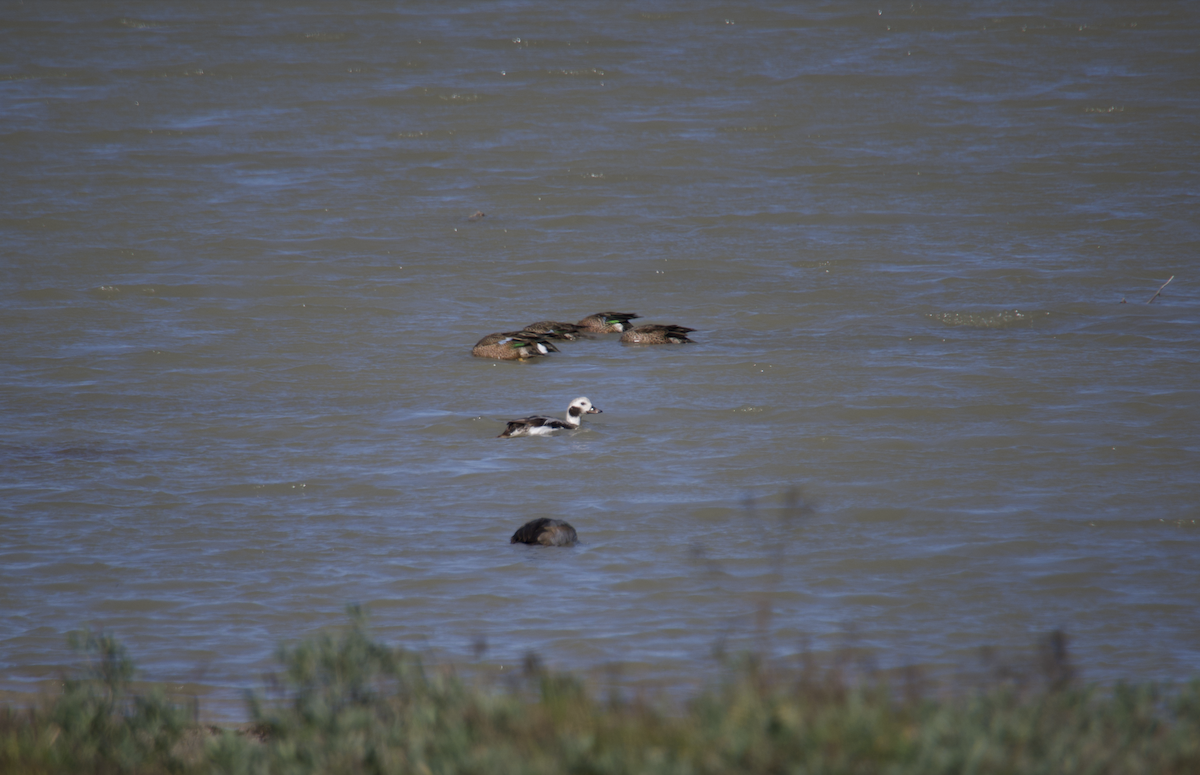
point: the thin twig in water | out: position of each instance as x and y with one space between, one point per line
1156 293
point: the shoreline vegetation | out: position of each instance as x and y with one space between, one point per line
344 703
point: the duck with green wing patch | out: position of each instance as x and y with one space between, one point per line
513 346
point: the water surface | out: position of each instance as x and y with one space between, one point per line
240 286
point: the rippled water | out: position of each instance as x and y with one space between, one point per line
240 287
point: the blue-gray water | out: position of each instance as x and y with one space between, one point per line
239 288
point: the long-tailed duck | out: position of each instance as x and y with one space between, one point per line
608 322
513 346
538 425
546 532
656 334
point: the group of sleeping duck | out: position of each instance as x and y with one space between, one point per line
537 340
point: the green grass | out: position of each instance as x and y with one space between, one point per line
347 704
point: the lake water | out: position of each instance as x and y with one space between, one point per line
929 409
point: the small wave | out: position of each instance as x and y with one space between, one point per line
31 76
138 24
586 71
1002 319
181 73
758 128
414 135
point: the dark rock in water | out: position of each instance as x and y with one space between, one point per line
547 532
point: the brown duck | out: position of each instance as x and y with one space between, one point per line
607 322
513 346
656 334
